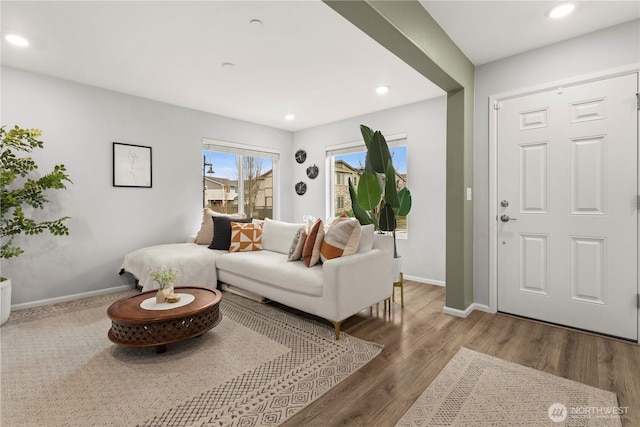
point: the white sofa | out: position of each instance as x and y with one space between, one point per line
334 290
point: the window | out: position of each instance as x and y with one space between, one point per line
347 161
238 178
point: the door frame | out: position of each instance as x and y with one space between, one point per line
494 101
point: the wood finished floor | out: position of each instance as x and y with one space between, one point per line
420 340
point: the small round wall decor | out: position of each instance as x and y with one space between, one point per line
301 188
312 171
301 156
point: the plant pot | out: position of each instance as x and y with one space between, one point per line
160 296
397 268
5 300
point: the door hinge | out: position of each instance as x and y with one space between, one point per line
498 105
638 100
638 202
638 300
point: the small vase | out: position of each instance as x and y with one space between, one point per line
160 296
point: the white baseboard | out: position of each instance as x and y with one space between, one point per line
69 297
423 280
483 307
466 312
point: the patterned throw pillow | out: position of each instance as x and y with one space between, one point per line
245 237
295 252
311 248
341 239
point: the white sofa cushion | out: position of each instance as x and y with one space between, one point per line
274 269
278 235
366 239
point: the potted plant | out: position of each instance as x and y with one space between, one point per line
19 191
165 278
377 200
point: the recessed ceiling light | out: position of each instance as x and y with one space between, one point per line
255 22
228 65
382 90
563 9
290 117
16 40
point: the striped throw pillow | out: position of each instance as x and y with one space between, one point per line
341 239
311 248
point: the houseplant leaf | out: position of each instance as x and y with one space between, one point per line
404 198
367 164
363 217
378 152
367 134
369 191
387 219
390 192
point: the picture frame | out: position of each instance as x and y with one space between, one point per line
131 165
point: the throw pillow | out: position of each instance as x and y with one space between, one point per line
341 239
311 248
205 234
295 252
222 231
366 239
245 237
277 235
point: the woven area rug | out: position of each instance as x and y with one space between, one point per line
475 389
258 367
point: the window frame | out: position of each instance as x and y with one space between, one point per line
214 145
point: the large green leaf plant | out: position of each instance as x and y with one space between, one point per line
377 201
18 191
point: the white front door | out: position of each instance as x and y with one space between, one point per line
567 215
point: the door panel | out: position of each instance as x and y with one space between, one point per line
567 182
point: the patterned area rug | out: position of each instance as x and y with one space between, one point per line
258 367
475 389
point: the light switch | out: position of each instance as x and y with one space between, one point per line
469 193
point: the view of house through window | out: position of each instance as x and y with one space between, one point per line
238 181
349 163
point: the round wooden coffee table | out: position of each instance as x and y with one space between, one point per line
162 324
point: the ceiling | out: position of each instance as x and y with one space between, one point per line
489 30
300 58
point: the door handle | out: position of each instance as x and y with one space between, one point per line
505 218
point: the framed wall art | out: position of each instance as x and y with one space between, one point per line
301 188
312 172
131 165
301 156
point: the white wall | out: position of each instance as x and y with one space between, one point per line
79 124
610 48
425 125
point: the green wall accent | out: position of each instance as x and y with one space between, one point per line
407 30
